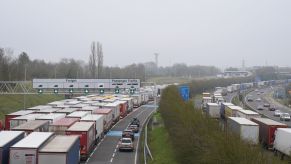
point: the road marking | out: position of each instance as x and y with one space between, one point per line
136 109
135 158
113 155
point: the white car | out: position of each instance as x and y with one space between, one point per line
259 99
277 113
285 117
125 144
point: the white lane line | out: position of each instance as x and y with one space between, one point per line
126 116
113 155
135 110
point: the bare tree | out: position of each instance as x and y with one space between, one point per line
99 60
96 60
93 60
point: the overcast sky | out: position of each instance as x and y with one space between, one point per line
204 32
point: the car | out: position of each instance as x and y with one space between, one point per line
262 91
135 121
128 133
134 128
272 108
267 105
249 99
258 93
285 117
260 107
125 144
259 99
277 113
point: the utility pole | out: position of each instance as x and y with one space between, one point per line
24 98
156 59
156 62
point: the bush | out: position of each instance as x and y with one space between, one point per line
198 139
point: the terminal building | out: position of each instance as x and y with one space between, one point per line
230 74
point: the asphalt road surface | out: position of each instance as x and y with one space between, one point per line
264 95
107 151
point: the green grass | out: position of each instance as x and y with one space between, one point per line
160 145
12 103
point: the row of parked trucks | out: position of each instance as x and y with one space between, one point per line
62 132
250 126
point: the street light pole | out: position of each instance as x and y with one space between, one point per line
24 98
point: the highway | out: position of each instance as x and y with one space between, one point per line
265 96
107 151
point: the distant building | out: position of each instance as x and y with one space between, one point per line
230 74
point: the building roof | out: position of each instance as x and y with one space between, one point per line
34 140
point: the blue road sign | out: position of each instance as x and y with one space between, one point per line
184 92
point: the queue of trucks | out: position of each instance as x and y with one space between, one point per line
247 124
65 131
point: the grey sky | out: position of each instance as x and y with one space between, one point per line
205 32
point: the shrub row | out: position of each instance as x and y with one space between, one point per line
198 139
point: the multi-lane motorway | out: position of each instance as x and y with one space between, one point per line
107 152
264 95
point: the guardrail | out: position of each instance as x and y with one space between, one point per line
146 149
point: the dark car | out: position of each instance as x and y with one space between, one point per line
134 128
266 105
128 133
260 107
135 121
249 99
272 108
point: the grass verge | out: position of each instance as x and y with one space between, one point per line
12 103
159 143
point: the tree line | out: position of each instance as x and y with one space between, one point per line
22 67
199 139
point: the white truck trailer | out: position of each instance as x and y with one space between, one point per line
246 129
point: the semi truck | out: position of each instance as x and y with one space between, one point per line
267 130
7 139
86 132
60 150
246 129
26 150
